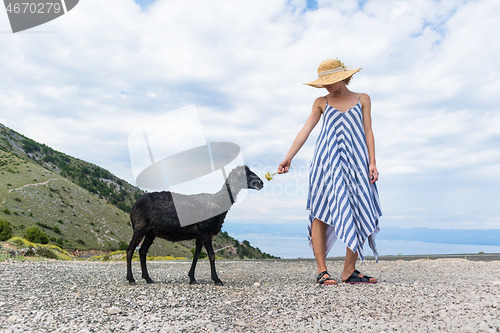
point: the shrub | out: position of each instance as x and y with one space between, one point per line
46 252
5 230
122 246
18 241
52 251
203 254
163 258
40 250
35 235
43 225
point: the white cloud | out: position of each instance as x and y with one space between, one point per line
88 78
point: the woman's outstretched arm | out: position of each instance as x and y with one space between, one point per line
303 134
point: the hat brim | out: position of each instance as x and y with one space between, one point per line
332 78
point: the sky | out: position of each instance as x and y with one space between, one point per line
85 81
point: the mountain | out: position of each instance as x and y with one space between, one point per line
79 205
445 236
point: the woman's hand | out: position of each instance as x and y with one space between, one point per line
373 173
284 166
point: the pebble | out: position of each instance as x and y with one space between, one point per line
49 296
114 310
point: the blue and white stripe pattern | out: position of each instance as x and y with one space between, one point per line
340 193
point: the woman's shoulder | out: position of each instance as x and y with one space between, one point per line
320 100
365 99
320 103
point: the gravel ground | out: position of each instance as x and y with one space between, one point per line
443 295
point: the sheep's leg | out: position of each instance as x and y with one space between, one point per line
211 257
199 244
136 239
143 251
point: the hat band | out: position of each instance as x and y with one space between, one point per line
331 71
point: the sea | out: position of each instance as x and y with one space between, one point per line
291 247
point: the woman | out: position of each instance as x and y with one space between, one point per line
343 198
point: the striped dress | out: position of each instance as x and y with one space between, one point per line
340 193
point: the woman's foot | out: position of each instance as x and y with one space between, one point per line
325 278
357 277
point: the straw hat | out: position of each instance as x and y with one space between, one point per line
331 71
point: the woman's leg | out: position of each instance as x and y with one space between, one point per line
318 235
350 265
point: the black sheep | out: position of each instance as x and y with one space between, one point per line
155 215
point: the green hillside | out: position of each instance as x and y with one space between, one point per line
77 204
72 217
88 176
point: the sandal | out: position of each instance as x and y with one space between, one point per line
321 280
355 278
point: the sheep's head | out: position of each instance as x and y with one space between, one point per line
253 181
242 177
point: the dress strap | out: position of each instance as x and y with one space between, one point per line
326 99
